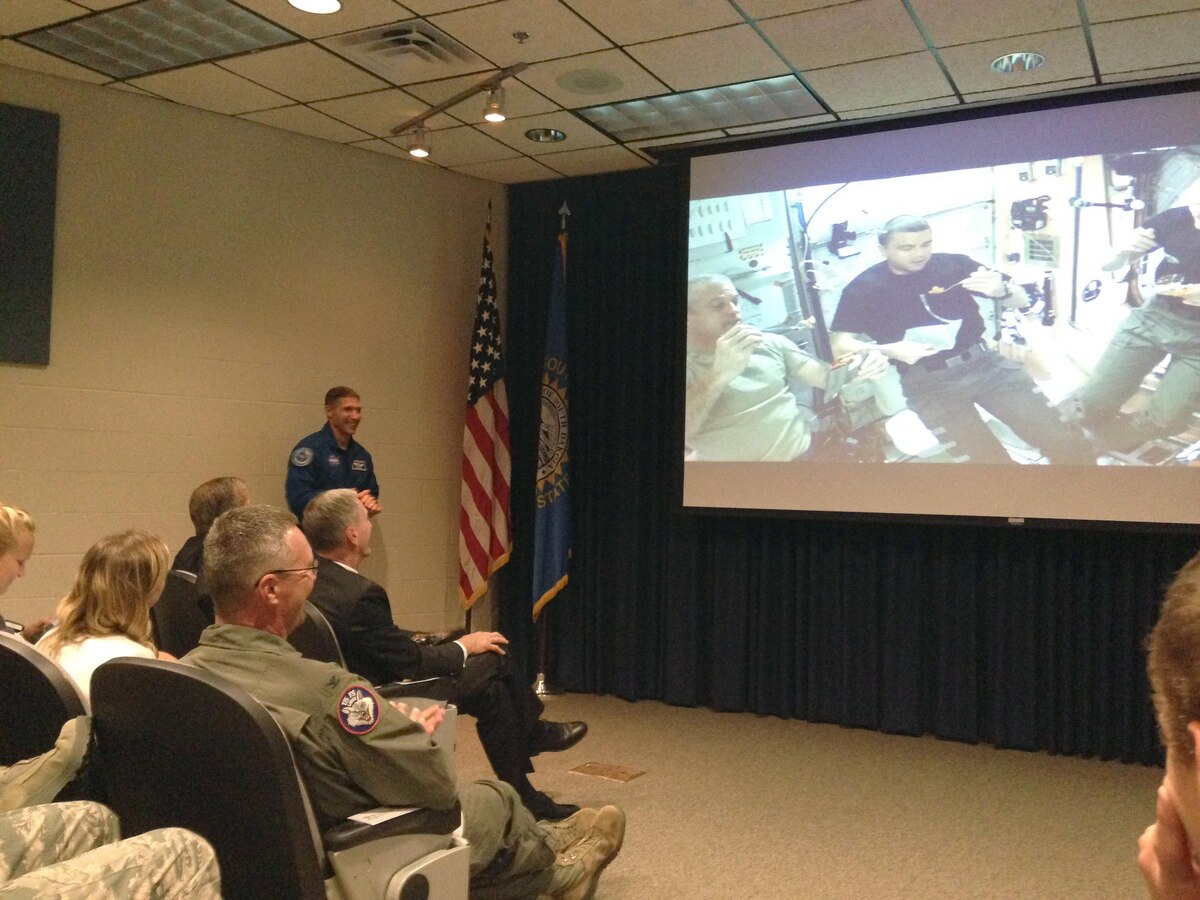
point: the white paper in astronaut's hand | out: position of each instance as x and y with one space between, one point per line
382 814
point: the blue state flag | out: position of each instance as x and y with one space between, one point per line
552 527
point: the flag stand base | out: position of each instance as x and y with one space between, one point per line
543 688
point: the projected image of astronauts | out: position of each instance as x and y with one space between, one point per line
1042 313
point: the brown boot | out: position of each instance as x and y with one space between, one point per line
578 868
561 835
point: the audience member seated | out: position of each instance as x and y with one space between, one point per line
74 850
207 502
16 546
488 685
1167 850
107 612
357 751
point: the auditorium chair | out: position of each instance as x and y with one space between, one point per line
182 747
36 700
179 615
316 639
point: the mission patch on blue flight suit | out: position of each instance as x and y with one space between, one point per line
302 456
358 710
359 465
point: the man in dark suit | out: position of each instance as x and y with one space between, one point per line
487 683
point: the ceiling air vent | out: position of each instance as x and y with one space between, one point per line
406 52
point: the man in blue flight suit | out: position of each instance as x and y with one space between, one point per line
331 458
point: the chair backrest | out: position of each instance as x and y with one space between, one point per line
182 747
36 700
179 616
316 639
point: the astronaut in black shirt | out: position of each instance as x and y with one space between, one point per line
919 309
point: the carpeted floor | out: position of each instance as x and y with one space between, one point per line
740 806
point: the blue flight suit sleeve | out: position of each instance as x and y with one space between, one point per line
303 478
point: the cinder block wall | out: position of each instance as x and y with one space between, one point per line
212 279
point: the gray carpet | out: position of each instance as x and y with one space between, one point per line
737 806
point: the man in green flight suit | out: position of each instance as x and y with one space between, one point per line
356 750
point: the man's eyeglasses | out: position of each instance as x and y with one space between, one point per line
309 568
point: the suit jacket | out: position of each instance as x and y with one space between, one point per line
373 645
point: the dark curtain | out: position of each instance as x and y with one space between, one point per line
1021 637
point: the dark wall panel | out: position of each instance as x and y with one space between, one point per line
28 173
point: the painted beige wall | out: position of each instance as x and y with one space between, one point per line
212 279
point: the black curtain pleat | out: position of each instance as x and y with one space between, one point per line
1021 637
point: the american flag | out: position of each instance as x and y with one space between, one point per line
483 523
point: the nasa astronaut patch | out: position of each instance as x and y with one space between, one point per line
358 710
302 456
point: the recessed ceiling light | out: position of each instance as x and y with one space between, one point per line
1016 63
546 135
320 7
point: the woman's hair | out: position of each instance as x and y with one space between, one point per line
119 579
13 523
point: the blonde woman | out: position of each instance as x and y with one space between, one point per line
107 612
16 546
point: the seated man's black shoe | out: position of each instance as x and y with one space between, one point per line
545 809
549 737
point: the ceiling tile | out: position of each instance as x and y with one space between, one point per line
303 72
1168 40
23 57
463 145
208 86
519 99
379 112
579 133
353 15
1107 10
967 21
17 16
627 22
1066 55
1030 90
765 9
869 29
552 28
592 78
432 7
131 89
785 123
593 160
723 56
1152 74
379 145
880 82
900 108
650 143
509 171
307 121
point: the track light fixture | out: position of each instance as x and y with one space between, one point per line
418 145
493 110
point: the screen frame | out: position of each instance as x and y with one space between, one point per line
683 154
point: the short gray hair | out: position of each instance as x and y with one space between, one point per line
698 286
327 517
243 545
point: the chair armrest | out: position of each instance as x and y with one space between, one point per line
420 821
431 688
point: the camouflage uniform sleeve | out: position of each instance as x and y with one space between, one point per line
387 754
